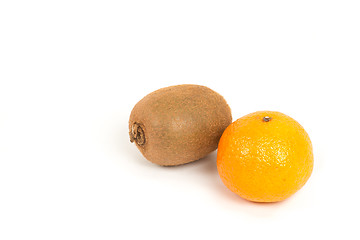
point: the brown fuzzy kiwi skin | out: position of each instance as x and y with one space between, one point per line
179 124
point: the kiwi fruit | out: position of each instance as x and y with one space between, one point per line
179 124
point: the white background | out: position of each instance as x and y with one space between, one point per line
71 71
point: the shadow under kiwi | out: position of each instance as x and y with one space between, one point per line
206 169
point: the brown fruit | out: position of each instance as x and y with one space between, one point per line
179 124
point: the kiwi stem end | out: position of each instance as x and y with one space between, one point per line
137 134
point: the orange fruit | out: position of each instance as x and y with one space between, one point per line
265 156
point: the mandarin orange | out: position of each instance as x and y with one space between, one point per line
265 156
